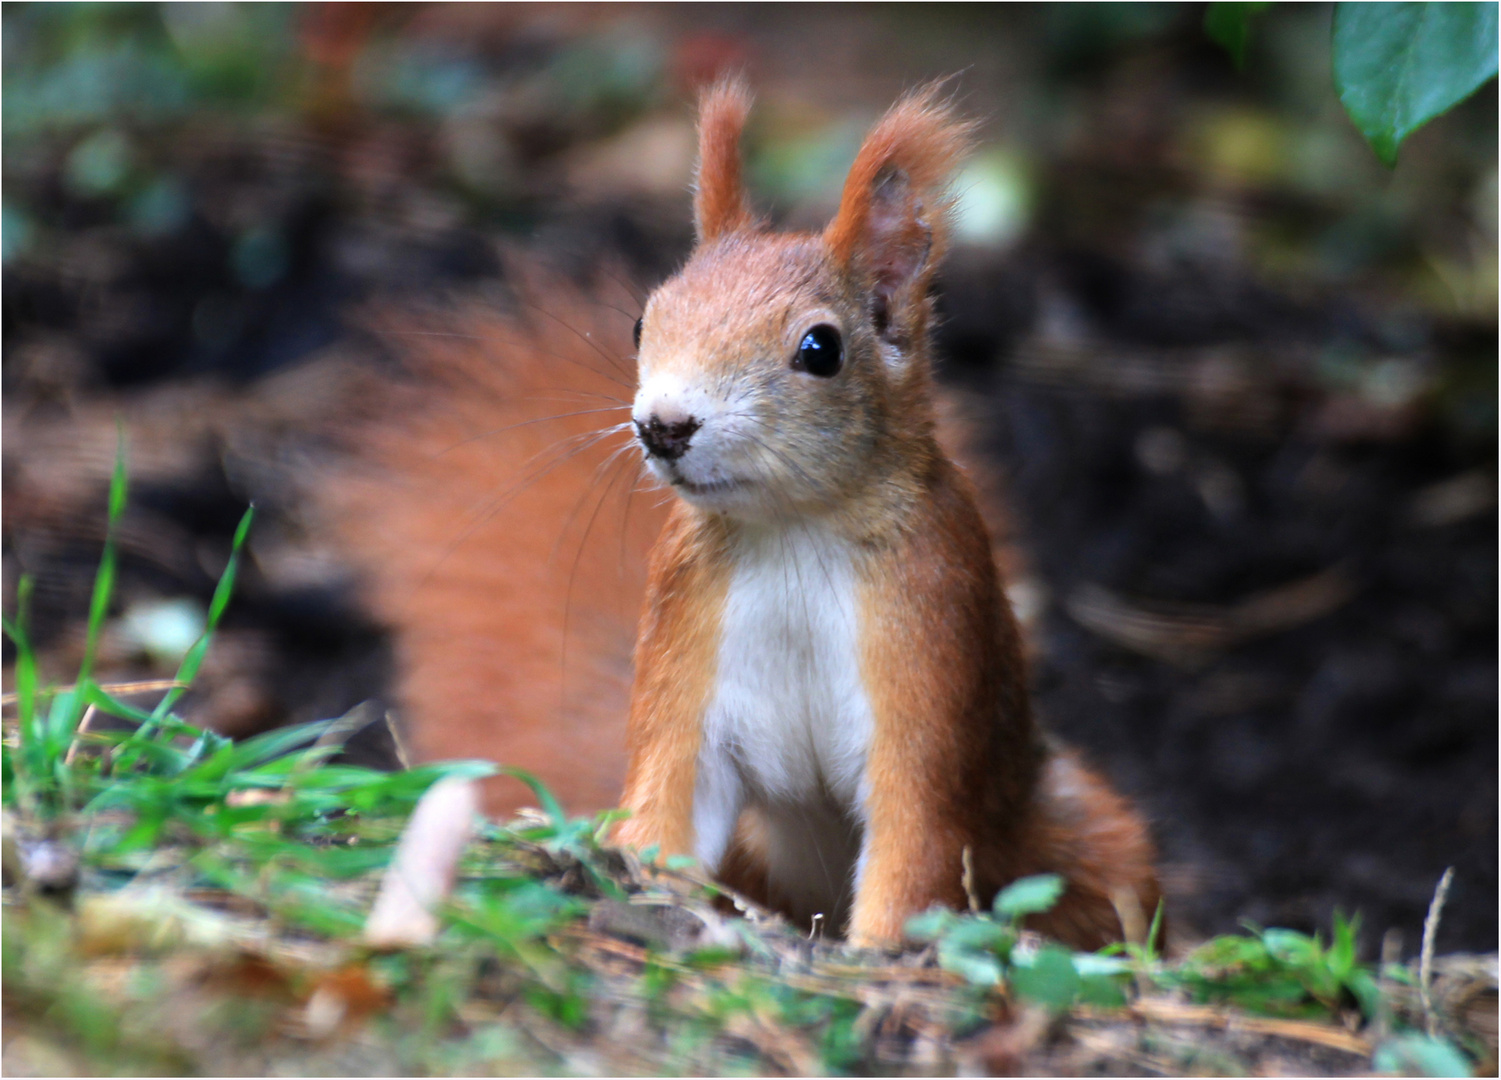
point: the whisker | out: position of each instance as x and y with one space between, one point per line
585 393
565 357
578 555
584 439
588 489
621 310
625 519
526 423
585 338
490 507
637 293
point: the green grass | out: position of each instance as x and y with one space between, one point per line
229 882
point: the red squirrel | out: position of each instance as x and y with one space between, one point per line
829 707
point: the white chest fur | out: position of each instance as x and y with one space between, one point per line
788 727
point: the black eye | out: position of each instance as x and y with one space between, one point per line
820 352
636 333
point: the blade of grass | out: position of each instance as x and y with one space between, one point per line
550 805
127 749
126 755
25 690
104 585
194 658
27 763
67 708
105 702
277 742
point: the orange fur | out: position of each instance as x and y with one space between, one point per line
675 659
953 760
719 204
466 514
895 198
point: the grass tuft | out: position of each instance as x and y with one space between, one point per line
230 880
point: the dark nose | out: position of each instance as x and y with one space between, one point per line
666 440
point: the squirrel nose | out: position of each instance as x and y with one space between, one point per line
667 438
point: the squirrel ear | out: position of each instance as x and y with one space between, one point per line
719 204
892 223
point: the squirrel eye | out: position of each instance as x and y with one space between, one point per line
820 353
636 333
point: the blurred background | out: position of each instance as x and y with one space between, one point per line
1236 378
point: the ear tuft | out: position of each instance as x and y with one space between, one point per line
892 223
719 204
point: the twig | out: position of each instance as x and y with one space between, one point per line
1132 919
1391 956
1140 941
145 687
753 912
1425 961
1171 1012
78 733
396 741
357 717
968 878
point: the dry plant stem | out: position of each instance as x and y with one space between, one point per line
1172 1012
1425 961
396 740
743 904
116 689
968 879
1135 930
1391 955
78 733
1133 919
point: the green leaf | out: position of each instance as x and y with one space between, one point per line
1420 1055
927 925
1050 979
1398 65
977 969
1092 964
1341 957
1291 947
979 934
1229 25
1367 992
1028 896
1107 993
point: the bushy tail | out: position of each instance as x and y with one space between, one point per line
493 512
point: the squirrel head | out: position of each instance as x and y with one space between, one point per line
788 373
